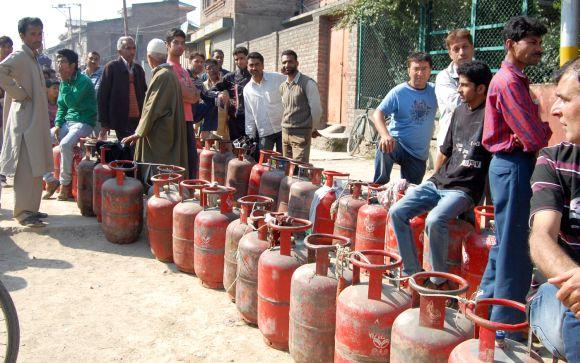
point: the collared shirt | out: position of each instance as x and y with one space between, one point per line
263 104
129 66
313 101
446 84
512 119
234 83
95 77
185 81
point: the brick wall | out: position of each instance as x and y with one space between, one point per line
220 9
351 77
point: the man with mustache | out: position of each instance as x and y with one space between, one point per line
513 132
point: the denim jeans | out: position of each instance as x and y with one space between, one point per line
444 205
412 169
69 134
555 325
509 268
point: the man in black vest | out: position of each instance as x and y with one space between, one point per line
302 110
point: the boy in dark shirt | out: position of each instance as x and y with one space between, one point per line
459 179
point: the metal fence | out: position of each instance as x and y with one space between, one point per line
384 46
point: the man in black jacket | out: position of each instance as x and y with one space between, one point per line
122 91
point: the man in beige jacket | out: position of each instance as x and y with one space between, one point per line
26 151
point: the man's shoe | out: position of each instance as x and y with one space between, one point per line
65 192
32 221
40 215
51 187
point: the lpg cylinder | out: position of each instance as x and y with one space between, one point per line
220 160
101 173
85 182
459 231
302 191
77 158
184 214
160 216
250 248
477 246
285 183
323 223
235 231
417 225
485 349
430 332
238 173
258 170
313 294
271 178
275 269
365 312
371 221
347 211
122 204
210 235
199 148
206 159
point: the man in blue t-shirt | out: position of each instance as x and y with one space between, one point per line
405 141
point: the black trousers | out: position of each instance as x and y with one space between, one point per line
271 141
192 161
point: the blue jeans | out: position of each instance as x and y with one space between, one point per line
69 134
444 206
555 325
509 268
412 169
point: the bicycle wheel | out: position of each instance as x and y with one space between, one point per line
356 134
9 328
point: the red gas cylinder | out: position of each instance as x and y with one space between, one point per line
271 178
77 158
238 173
459 231
85 182
302 191
275 269
184 214
347 211
323 223
101 173
285 183
313 302
365 312
235 231
160 216
258 170
220 160
205 160
210 235
486 349
122 207
250 249
371 224
430 332
476 247
199 148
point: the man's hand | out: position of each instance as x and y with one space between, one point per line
56 133
315 134
130 140
569 289
387 144
103 133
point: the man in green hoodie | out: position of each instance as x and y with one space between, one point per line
75 118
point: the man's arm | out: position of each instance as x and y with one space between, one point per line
446 148
8 81
387 107
104 94
250 123
315 106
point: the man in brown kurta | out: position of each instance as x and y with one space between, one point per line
161 133
27 150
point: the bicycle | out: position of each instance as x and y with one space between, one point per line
363 128
9 328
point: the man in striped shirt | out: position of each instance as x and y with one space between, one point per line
514 133
555 221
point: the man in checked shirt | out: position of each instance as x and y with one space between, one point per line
514 133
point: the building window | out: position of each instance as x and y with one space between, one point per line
210 5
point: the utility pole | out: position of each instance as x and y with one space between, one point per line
569 30
125 20
70 25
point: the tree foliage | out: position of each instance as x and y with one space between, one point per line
398 12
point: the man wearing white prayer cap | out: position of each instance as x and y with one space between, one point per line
161 134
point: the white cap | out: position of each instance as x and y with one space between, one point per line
156 46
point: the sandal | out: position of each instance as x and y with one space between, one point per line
33 222
40 215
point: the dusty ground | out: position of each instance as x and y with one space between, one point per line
81 298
